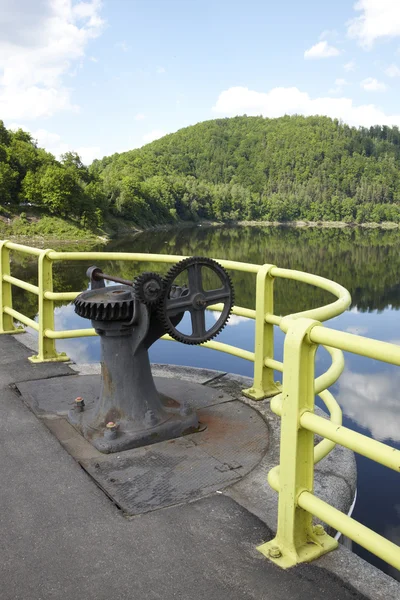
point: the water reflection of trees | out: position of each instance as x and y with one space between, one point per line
366 262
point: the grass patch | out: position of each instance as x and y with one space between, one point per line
51 228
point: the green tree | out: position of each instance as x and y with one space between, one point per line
8 182
60 190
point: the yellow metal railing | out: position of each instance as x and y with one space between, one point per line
296 539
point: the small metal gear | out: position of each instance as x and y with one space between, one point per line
148 288
194 299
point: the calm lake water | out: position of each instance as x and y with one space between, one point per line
366 262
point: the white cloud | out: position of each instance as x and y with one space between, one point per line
38 43
153 135
350 66
393 71
370 84
53 143
378 19
289 101
161 70
372 400
140 117
321 50
93 59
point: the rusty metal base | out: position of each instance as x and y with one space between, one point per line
175 424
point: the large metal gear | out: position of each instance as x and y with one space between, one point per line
113 303
148 288
193 298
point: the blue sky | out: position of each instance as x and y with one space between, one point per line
103 77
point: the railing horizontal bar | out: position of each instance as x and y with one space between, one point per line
365 537
271 363
321 282
381 453
22 284
143 257
273 319
22 318
239 266
348 342
118 256
77 333
249 313
66 296
71 333
227 348
24 249
323 313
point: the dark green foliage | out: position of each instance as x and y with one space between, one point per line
245 168
285 169
34 182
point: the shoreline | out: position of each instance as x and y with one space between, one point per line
134 230
319 224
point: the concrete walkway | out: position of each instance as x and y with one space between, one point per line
62 538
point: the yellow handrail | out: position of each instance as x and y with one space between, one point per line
293 477
296 540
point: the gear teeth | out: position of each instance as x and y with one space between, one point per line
87 306
172 274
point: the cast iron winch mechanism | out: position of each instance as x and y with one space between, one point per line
129 318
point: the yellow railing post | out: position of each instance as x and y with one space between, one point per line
47 346
263 383
296 541
6 321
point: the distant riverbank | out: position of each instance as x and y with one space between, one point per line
338 224
57 230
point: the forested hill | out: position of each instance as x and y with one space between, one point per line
284 169
244 168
